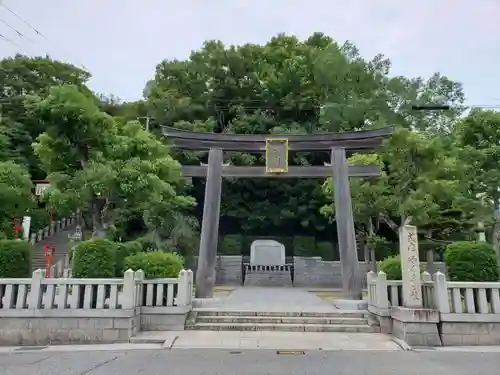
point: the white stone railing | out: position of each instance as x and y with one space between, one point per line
164 292
56 226
40 293
470 297
448 297
61 268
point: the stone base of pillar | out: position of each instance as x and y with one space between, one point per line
382 321
350 304
416 326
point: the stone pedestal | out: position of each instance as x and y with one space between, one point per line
416 326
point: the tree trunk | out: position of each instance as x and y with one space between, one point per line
430 266
496 235
373 260
98 225
390 223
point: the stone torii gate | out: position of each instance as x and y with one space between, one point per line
276 149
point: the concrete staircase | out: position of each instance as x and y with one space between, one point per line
341 321
60 240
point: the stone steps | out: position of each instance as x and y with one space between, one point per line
285 327
228 312
278 320
237 320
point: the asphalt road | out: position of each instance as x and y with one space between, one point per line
249 362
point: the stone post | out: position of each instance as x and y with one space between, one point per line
205 273
36 291
370 278
351 281
183 290
440 290
410 266
139 287
128 294
382 296
412 323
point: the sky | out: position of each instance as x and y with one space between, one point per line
121 41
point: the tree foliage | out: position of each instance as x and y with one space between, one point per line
291 86
439 171
111 171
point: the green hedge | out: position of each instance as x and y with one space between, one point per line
15 258
230 245
155 264
324 249
471 261
392 267
94 258
304 246
123 250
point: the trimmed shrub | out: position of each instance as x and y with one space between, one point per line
304 246
471 261
324 250
94 258
392 267
155 264
123 250
15 258
231 244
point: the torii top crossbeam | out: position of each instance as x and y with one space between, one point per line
353 141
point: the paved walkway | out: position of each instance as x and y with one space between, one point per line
282 340
272 300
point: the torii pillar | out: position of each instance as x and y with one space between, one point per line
351 281
205 273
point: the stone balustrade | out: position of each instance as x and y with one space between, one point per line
468 312
56 226
40 310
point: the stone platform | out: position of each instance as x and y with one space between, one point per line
276 309
269 299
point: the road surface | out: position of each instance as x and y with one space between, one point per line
247 362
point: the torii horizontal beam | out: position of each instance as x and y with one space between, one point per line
357 140
317 171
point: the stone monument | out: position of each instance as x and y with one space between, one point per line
413 323
267 252
267 265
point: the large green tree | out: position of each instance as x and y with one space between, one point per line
421 181
21 76
16 196
109 170
289 86
478 139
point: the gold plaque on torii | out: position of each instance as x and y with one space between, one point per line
276 155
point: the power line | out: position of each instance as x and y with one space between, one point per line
3 37
38 32
16 31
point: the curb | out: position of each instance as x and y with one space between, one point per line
402 344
